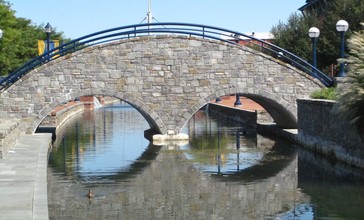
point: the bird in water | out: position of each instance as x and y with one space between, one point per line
90 194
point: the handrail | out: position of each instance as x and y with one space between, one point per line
187 29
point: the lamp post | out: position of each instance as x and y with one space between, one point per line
236 38
237 101
342 26
48 29
314 33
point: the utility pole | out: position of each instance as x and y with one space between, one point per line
149 18
149 15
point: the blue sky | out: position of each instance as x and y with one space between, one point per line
76 18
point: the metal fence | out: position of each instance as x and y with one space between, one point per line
178 29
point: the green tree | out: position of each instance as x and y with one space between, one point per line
293 35
350 104
289 35
19 43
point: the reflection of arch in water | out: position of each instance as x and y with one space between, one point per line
172 179
135 168
273 162
278 157
76 141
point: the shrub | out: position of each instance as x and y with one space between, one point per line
326 93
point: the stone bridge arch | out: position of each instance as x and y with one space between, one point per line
166 78
149 114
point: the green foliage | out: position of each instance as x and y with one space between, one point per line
350 104
325 93
20 39
289 36
293 35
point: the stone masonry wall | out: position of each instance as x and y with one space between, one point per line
63 115
248 118
320 130
167 78
57 118
10 131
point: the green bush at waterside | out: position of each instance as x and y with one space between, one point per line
325 93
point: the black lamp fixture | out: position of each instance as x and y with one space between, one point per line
48 29
342 26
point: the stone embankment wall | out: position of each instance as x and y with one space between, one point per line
320 130
62 113
264 117
10 130
234 114
247 117
58 117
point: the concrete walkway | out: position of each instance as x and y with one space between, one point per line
23 179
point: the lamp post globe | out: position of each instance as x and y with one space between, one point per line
342 26
314 33
1 33
48 28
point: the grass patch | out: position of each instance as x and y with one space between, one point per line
325 93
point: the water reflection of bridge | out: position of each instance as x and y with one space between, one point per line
82 140
172 187
163 184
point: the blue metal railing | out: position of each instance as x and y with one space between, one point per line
138 30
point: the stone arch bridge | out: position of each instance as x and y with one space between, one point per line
165 77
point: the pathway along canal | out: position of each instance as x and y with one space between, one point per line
225 172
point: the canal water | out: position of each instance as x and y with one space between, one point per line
101 167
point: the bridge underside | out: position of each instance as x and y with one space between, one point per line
282 117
